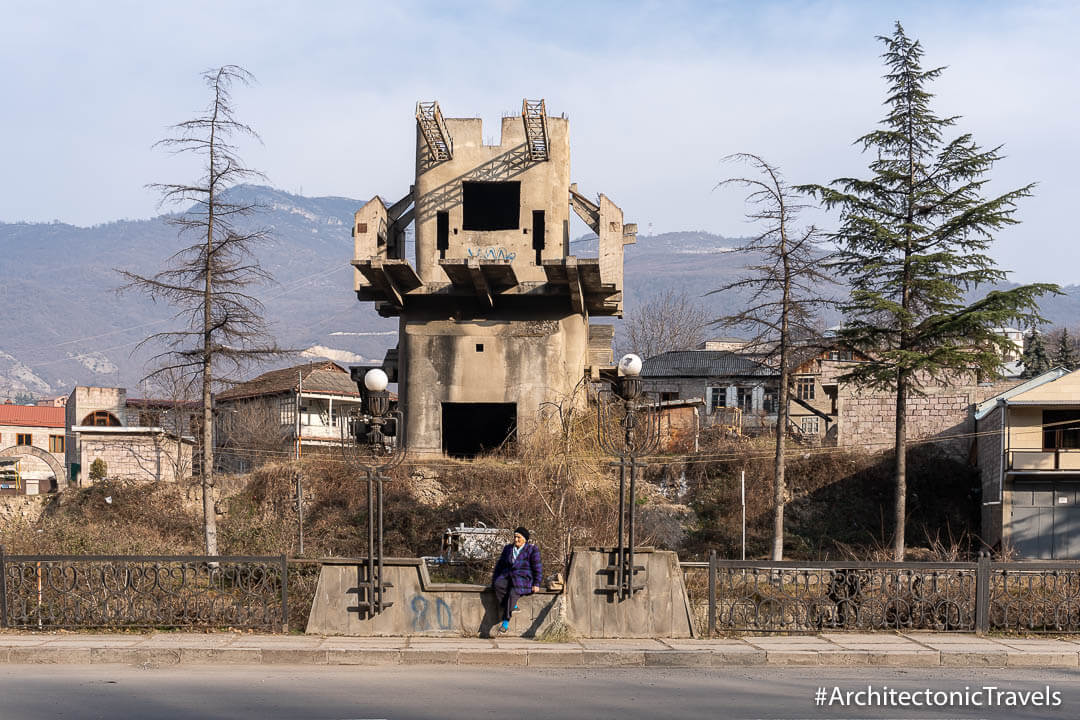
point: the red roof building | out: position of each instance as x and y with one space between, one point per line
32 416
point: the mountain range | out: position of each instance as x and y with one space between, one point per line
67 323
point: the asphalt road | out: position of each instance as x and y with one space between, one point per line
516 693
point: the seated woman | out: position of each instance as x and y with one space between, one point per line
517 573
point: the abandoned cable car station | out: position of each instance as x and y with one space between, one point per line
494 314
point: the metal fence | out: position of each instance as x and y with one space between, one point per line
139 591
978 596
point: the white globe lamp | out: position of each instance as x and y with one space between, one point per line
375 380
630 365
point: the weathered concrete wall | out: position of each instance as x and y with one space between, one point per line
661 609
544 186
528 358
420 607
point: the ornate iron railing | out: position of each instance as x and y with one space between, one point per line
137 591
1031 596
1034 597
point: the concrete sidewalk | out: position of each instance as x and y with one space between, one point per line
917 649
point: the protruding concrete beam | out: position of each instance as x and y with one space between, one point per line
577 299
586 209
480 284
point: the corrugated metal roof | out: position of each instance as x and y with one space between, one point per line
703 363
32 416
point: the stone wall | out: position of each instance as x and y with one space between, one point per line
141 457
867 419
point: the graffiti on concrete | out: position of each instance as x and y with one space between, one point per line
420 606
491 253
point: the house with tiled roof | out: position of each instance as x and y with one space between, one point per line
32 446
283 413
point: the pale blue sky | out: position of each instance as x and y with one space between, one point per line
656 93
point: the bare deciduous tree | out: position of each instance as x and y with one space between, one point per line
669 320
785 284
222 326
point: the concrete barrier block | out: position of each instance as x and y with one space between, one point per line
363 657
220 656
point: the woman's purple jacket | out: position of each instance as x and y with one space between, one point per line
525 572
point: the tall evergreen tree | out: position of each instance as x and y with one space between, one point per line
1035 358
1066 353
912 240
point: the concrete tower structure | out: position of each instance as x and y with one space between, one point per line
494 315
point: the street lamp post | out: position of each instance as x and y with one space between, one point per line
638 425
376 434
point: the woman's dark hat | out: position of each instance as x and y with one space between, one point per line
522 532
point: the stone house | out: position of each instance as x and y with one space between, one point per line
35 437
1028 450
101 424
282 413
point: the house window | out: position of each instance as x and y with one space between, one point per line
744 398
717 397
23 439
841 355
810 425
768 401
804 388
56 443
1061 429
101 418
668 396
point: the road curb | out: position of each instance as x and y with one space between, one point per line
224 649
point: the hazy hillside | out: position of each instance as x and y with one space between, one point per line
66 324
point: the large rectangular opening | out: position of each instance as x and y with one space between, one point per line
491 205
469 429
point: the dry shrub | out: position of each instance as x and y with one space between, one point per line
111 518
839 502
